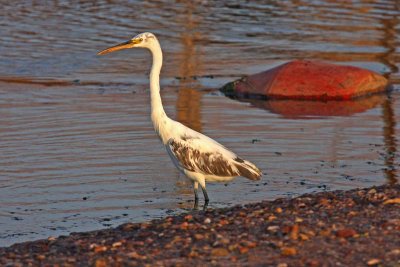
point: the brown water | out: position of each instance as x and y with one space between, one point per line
77 149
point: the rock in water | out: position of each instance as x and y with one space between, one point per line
311 80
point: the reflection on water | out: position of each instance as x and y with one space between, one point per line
77 148
389 38
188 105
389 133
290 108
189 96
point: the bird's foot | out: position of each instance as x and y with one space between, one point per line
196 204
205 205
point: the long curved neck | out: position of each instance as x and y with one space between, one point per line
158 116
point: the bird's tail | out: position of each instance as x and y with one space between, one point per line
247 169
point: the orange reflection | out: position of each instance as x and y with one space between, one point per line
189 97
389 41
188 104
389 134
303 108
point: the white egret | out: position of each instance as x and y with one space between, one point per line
197 156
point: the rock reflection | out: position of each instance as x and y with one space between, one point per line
296 109
302 109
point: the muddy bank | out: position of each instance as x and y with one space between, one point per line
345 228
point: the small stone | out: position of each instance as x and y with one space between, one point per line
99 249
313 263
193 254
372 262
188 217
135 255
282 265
207 220
304 237
225 241
294 234
223 222
278 210
352 213
273 228
395 251
184 226
40 257
324 202
250 244
219 252
392 201
372 191
117 244
346 233
325 233
243 250
288 251
71 260
198 236
298 220
100 263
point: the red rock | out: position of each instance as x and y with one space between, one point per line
301 79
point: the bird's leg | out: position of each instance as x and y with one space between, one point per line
206 199
196 196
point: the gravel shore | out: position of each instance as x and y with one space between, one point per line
342 228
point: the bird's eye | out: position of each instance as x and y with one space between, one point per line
141 39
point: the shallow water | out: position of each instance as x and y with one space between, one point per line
77 148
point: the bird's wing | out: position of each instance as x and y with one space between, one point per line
198 154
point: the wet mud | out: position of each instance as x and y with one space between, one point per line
359 227
77 148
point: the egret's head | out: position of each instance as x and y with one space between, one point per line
145 40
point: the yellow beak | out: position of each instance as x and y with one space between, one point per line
125 45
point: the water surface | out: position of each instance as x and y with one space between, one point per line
77 148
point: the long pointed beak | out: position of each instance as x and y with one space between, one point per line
124 45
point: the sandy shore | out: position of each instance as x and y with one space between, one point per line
342 228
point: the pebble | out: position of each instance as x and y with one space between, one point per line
288 251
372 262
346 233
219 252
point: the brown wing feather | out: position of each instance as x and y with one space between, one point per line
248 170
209 163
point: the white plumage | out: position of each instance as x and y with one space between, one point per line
199 157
